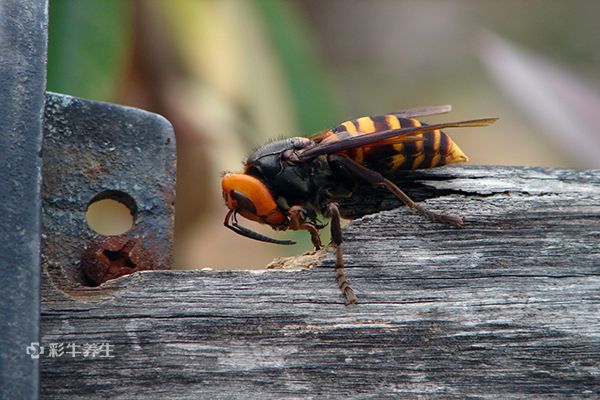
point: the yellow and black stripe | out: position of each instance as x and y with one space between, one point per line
436 148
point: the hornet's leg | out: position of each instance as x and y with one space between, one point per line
376 179
297 221
336 237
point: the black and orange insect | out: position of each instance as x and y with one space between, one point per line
289 183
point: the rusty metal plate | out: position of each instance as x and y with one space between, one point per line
95 150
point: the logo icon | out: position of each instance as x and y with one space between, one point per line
35 350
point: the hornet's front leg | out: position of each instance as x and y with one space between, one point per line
336 236
297 216
376 179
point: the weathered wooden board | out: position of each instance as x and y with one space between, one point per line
507 307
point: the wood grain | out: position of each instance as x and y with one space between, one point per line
507 307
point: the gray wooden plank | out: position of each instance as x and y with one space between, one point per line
507 307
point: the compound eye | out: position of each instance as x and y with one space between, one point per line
243 202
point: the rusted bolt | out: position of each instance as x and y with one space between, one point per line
114 256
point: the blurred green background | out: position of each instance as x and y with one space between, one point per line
232 74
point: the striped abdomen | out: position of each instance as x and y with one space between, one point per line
436 148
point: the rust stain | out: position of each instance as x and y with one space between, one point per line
95 169
113 257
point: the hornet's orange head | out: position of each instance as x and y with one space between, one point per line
249 197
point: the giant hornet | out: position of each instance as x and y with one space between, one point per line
288 183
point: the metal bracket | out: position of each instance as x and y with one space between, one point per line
98 150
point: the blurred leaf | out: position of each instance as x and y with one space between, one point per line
292 40
562 105
225 47
86 46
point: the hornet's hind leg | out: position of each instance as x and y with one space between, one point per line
376 179
336 236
